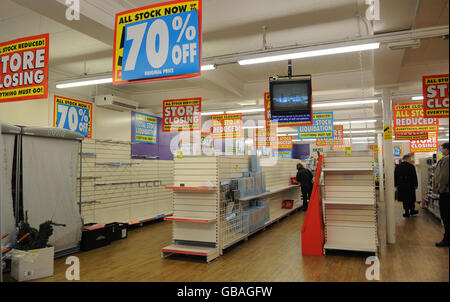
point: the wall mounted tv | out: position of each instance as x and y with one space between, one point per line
290 97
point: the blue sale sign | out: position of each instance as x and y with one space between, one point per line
73 115
145 128
322 127
166 45
397 151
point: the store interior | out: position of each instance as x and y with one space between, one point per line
165 198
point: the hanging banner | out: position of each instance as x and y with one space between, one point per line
322 127
283 153
338 138
226 126
158 42
182 115
145 128
409 117
285 142
411 135
283 121
265 137
347 143
24 69
397 151
429 145
435 95
73 115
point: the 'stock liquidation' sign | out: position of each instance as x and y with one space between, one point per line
145 128
73 115
226 126
182 115
409 117
435 95
322 127
158 42
24 69
428 145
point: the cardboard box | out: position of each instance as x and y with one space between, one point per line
32 264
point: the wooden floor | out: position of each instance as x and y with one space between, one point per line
273 255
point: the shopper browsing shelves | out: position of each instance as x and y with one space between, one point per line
305 177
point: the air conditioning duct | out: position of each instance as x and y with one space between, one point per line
115 103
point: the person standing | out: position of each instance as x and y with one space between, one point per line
406 182
440 186
305 177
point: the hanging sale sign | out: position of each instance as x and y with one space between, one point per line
435 95
182 115
322 127
226 126
338 138
158 42
346 143
285 142
284 121
24 69
283 153
429 145
265 137
409 117
145 128
73 115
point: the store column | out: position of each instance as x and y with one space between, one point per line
388 155
380 165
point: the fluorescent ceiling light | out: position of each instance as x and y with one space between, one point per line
344 103
360 131
287 134
212 113
312 53
368 142
354 122
361 137
417 98
84 81
246 110
208 67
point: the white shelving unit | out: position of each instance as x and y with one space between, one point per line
117 188
349 202
200 217
430 200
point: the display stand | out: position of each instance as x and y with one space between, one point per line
205 223
349 205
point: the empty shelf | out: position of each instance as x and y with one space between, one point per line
191 219
351 246
361 202
209 253
192 188
268 193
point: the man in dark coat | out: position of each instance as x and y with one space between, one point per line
305 177
406 183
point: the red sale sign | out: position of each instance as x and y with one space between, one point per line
338 138
182 115
265 137
435 95
428 145
285 142
24 69
409 117
226 126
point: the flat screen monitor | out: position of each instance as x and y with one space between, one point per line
290 97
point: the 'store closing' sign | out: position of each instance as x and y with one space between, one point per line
409 117
24 69
182 115
435 95
426 145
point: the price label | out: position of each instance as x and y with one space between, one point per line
158 42
73 115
